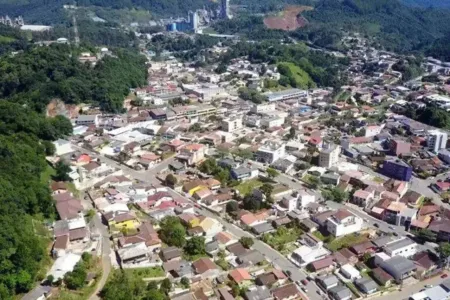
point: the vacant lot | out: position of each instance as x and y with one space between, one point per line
289 19
346 241
247 186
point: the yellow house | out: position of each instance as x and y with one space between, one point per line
190 220
122 221
192 186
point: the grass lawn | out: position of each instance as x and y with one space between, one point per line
378 179
194 257
46 176
323 238
346 241
71 187
247 186
167 155
280 239
142 273
6 39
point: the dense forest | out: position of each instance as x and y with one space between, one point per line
41 73
24 141
428 3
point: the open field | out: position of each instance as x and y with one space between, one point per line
289 19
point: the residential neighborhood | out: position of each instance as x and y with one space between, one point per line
307 195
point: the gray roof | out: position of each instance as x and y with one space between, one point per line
282 164
399 265
262 228
331 176
260 293
241 170
211 246
37 292
405 242
251 257
366 284
340 292
329 280
383 240
86 118
446 284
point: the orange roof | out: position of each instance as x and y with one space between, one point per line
248 219
193 147
239 275
223 237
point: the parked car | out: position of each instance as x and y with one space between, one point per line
428 286
304 289
304 282
376 225
444 276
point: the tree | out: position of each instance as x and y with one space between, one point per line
314 182
267 190
49 280
166 286
209 166
252 203
247 242
62 171
171 180
336 195
154 294
77 278
427 235
232 206
185 282
291 134
195 127
366 257
195 246
272 173
172 232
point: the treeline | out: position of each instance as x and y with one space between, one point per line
160 43
42 73
25 140
432 116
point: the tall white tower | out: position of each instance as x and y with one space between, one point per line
225 9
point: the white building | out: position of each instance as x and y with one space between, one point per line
372 130
350 272
305 255
437 140
343 222
62 147
262 108
270 152
272 122
288 94
231 124
329 155
305 198
63 265
87 120
403 247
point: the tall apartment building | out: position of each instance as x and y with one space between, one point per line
329 155
270 152
437 140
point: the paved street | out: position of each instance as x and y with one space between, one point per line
106 252
407 291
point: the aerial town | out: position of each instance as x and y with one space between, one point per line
307 195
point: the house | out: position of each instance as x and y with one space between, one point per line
441 227
251 257
345 256
133 254
258 293
382 277
243 173
322 264
146 234
248 219
426 262
63 265
402 247
58 187
202 193
192 186
350 272
341 292
41 292
236 249
224 294
118 221
328 281
304 255
362 198
205 267
224 239
322 217
210 226
343 222
62 147
286 292
262 228
272 278
398 267
411 198
171 253
362 248
192 154
240 276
